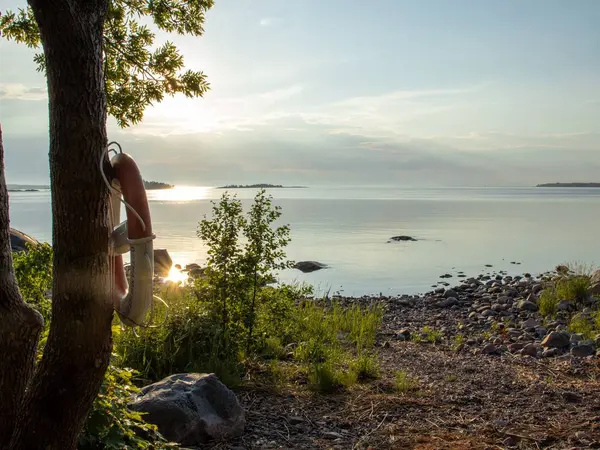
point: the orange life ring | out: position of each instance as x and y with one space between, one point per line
132 303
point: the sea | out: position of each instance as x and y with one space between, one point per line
348 228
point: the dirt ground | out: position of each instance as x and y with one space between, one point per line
462 399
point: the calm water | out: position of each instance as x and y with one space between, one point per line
348 229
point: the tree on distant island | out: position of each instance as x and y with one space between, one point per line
152 185
594 185
258 186
99 57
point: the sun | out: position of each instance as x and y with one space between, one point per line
176 275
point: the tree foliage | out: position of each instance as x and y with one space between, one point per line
137 71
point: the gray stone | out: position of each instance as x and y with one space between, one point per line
576 337
332 435
450 293
536 288
581 351
191 408
541 331
488 313
526 305
20 240
556 339
563 305
489 349
404 332
530 324
450 301
530 350
513 348
551 352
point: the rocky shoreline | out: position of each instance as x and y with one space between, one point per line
495 314
488 370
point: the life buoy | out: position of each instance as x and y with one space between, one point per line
131 302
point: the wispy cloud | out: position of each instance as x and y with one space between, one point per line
269 21
16 91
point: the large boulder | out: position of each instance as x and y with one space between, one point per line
162 262
191 408
18 240
309 266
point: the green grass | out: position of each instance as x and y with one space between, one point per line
574 288
588 327
431 335
404 383
333 344
458 341
365 368
548 303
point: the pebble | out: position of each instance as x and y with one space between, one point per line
556 339
489 349
582 351
530 350
526 305
332 435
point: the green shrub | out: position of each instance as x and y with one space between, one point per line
573 288
33 271
325 378
587 326
548 303
111 425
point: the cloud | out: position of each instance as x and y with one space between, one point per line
16 91
269 21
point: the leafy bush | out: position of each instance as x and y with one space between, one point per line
587 326
112 426
231 318
33 270
236 273
573 288
548 303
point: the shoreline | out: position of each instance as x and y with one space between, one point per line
482 369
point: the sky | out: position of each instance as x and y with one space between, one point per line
386 92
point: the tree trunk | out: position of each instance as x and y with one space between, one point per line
79 344
20 326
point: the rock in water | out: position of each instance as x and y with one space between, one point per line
309 266
191 408
403 238
557 339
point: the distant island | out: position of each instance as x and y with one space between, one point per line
579 185
152 185
258 186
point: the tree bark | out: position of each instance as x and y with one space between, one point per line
79 344
20 326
